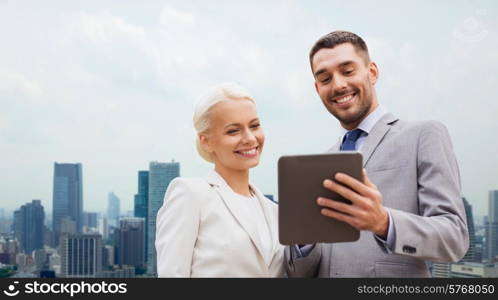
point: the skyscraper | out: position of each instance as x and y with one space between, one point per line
67 196
160 175
68 226
142 197
492 226
81 255
441 270
131 246
28 226
470 255
90 219
113 209
142 202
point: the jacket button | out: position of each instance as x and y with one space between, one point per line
409 249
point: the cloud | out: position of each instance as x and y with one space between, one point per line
3 123
105 27
299 89
173 17
14 82
114 87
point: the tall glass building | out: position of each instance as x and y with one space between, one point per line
492 227
113 209
160 175
141 204
142 197
470 255
29 226
67 196
131 246
90 219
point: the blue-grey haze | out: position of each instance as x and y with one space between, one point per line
112 84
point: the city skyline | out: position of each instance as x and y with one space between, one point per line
135 211
112 85
122 252
131 209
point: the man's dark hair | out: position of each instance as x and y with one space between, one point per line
340 37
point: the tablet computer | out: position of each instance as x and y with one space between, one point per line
300 183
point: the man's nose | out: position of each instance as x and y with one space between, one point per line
339 83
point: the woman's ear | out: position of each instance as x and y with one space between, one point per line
205 143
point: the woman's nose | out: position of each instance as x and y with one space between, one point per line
248 137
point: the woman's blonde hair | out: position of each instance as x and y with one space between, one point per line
215 95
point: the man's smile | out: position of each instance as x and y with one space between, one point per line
344 100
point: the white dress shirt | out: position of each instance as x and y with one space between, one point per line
254 209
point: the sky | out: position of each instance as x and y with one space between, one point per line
112 84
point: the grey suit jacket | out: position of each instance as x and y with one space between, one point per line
414 167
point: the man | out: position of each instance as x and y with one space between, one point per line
408 207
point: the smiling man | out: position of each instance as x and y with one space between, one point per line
408 207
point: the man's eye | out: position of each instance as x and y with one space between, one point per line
325 79
348 72
255 125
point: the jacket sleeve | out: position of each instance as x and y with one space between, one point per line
177 227
439 233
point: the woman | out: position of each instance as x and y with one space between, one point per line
220 225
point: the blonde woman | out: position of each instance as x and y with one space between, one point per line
221 225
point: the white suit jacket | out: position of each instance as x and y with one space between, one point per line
202 231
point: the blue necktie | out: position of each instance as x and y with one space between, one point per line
349 143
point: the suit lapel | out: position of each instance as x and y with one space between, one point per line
375 136
380 129
336 147
239 212
271 221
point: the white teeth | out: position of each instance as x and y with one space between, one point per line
250 152
345 99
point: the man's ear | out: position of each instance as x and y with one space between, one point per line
373 72
205 143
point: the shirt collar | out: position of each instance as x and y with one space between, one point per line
369 122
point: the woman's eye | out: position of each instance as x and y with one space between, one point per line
255 125
232 131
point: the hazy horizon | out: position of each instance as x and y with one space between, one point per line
112 84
